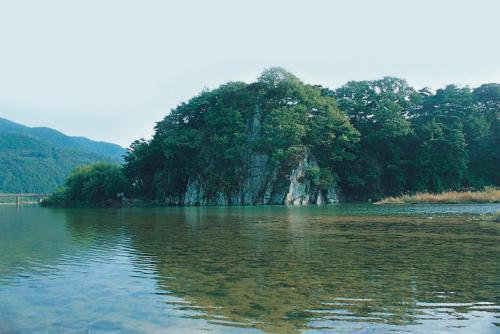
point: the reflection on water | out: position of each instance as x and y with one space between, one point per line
273 269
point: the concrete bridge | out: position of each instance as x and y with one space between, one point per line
18 197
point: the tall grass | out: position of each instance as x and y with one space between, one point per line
488 195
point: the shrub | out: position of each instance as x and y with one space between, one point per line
97 184
313 174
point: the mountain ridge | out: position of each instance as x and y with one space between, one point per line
60 139
38 159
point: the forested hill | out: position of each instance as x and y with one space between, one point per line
279 140
39 159
61 140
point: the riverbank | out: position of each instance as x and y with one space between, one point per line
489 195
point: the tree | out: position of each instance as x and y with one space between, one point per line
484 145
95 184
380 110
443 132
441 159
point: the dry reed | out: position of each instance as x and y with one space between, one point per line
489 195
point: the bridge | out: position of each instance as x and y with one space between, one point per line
18 197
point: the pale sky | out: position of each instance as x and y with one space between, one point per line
109 70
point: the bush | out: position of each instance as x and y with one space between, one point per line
313 174
98 184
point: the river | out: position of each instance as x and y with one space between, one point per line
273 269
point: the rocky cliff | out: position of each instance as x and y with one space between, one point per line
263 186
264 183
274 141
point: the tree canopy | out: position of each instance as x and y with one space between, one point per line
209 136
419 141
93 185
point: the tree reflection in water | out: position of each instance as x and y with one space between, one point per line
285 270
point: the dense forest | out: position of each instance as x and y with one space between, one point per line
418 140
367 139
39 159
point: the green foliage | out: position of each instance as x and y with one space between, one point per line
202 137
211 134
92 185
30 165
419 141
369 138
327 179
298 115
380 110
313 175
442 157
37 160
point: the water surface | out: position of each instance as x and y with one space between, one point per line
330 269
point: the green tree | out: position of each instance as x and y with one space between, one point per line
484 137
380 110
444 129
441 159
95 184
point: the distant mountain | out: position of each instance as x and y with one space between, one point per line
61 140
38 159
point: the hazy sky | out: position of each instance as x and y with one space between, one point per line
109 70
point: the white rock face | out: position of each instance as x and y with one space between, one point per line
263 186
331 196
299 189
194 193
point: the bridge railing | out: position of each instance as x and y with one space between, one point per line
19 196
